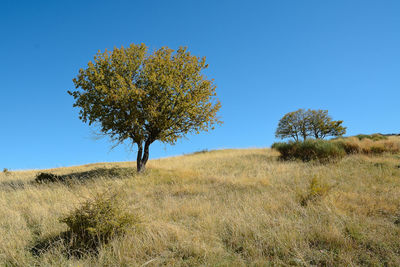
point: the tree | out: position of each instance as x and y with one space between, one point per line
336 129
308 123
321 125
292 125
142 97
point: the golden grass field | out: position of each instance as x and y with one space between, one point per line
234 207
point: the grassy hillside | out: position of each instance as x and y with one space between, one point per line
218 208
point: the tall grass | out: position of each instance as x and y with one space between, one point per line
221 208
373 145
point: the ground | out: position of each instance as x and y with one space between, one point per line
235 207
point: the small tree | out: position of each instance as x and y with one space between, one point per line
293 125
143 97
336 129
321 125
287 127
308 123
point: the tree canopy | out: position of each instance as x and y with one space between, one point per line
136 95
308 123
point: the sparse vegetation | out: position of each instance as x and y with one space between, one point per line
221 208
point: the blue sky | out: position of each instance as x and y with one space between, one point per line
267 58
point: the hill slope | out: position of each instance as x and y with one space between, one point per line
219 208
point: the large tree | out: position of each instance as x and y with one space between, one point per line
308 123
142 97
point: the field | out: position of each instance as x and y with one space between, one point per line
217 208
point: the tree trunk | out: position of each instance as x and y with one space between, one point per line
139 158
304 134
142 156
145 157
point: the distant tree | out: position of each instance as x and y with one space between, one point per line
321 125
143 97
308 123
292 125
336 129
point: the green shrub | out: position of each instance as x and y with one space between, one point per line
98 221
287 150
308 150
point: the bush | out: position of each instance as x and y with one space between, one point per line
320 150
6 171
45 177
378 149
369 146
392 146
85 175
200 151
98 221
287 150
373 137
316 190
350 147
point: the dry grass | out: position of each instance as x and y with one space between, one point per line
367 146
219 208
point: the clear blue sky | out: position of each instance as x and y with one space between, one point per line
267 58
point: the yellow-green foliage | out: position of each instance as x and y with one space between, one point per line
99 220
142 97
220 208
316 190
308 123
